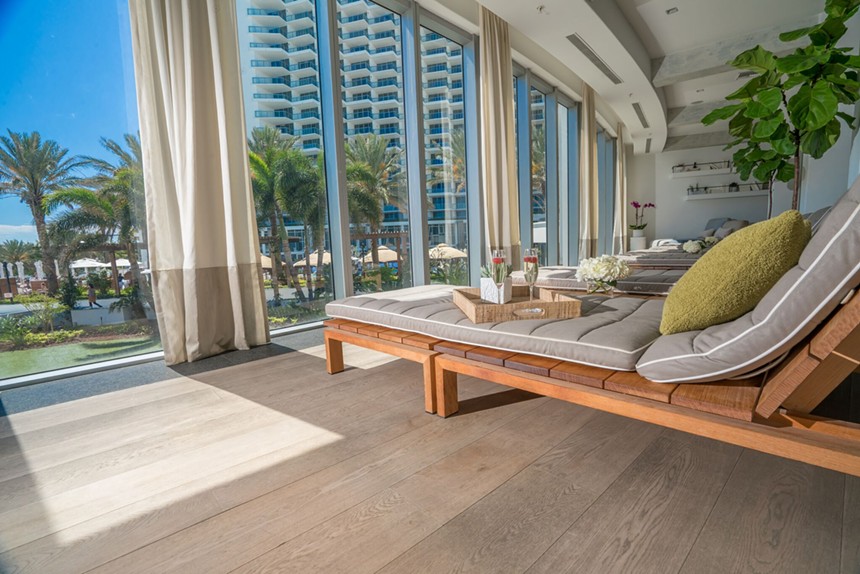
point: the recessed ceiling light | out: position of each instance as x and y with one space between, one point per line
671 10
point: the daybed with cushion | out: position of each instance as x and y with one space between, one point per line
642 281
718 381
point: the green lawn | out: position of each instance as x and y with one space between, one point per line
29 361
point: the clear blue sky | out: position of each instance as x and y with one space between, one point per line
66 71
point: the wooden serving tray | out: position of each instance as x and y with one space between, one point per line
552 305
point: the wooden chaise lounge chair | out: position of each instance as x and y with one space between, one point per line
726 382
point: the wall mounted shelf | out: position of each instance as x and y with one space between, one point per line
726 195
702 172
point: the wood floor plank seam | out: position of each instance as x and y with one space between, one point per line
711 511
495 425
418 405
485 495
593 502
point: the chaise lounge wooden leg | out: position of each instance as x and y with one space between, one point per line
446 390
333 354
428 364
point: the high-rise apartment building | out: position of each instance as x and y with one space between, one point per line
280 70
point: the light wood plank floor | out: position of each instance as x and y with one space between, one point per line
274 466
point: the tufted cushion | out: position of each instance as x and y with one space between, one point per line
611 333
827 270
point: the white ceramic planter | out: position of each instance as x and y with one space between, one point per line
490 291
637 233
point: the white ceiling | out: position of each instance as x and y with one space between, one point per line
702 22
634 37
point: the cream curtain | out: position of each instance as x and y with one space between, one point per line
203 244
588 210
619 225
501 211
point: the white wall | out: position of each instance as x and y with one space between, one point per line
676 217
641 186
825 180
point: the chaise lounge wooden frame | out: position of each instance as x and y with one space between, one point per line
766 413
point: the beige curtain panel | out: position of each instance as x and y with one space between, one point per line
203 244
619 225
588 216
501 211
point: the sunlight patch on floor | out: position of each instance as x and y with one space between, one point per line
253 438
353 356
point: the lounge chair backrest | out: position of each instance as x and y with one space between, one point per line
828 269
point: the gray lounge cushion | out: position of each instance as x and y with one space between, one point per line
649 281
817 217
667 257
828 269
730 227
612 333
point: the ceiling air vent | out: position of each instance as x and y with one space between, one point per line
648 145
746 74
580 44
641 115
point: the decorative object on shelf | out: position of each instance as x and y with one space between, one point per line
791 104
733 187
638 226
496 285
701 166
602 273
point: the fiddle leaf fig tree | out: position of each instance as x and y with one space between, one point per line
790 107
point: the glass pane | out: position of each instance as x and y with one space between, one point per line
371 62
74 280
563 188
280 69
445 153
538 172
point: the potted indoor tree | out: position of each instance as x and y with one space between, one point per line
790 107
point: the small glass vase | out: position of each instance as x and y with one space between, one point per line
601 288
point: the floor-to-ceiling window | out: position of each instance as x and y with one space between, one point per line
280 68
371 64
606 157
74 268
568 181
538 169
445 156
547 152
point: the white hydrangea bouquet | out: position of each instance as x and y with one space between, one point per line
602 273
697 245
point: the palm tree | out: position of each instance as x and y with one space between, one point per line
14 251
33 170
109 212
374 179
266 145
538 168
299 192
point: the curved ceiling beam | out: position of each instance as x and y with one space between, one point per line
595 41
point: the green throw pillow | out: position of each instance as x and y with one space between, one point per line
731 278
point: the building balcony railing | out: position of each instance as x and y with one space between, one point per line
274 114
280 96
281 81
263 12
265 30
300 16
